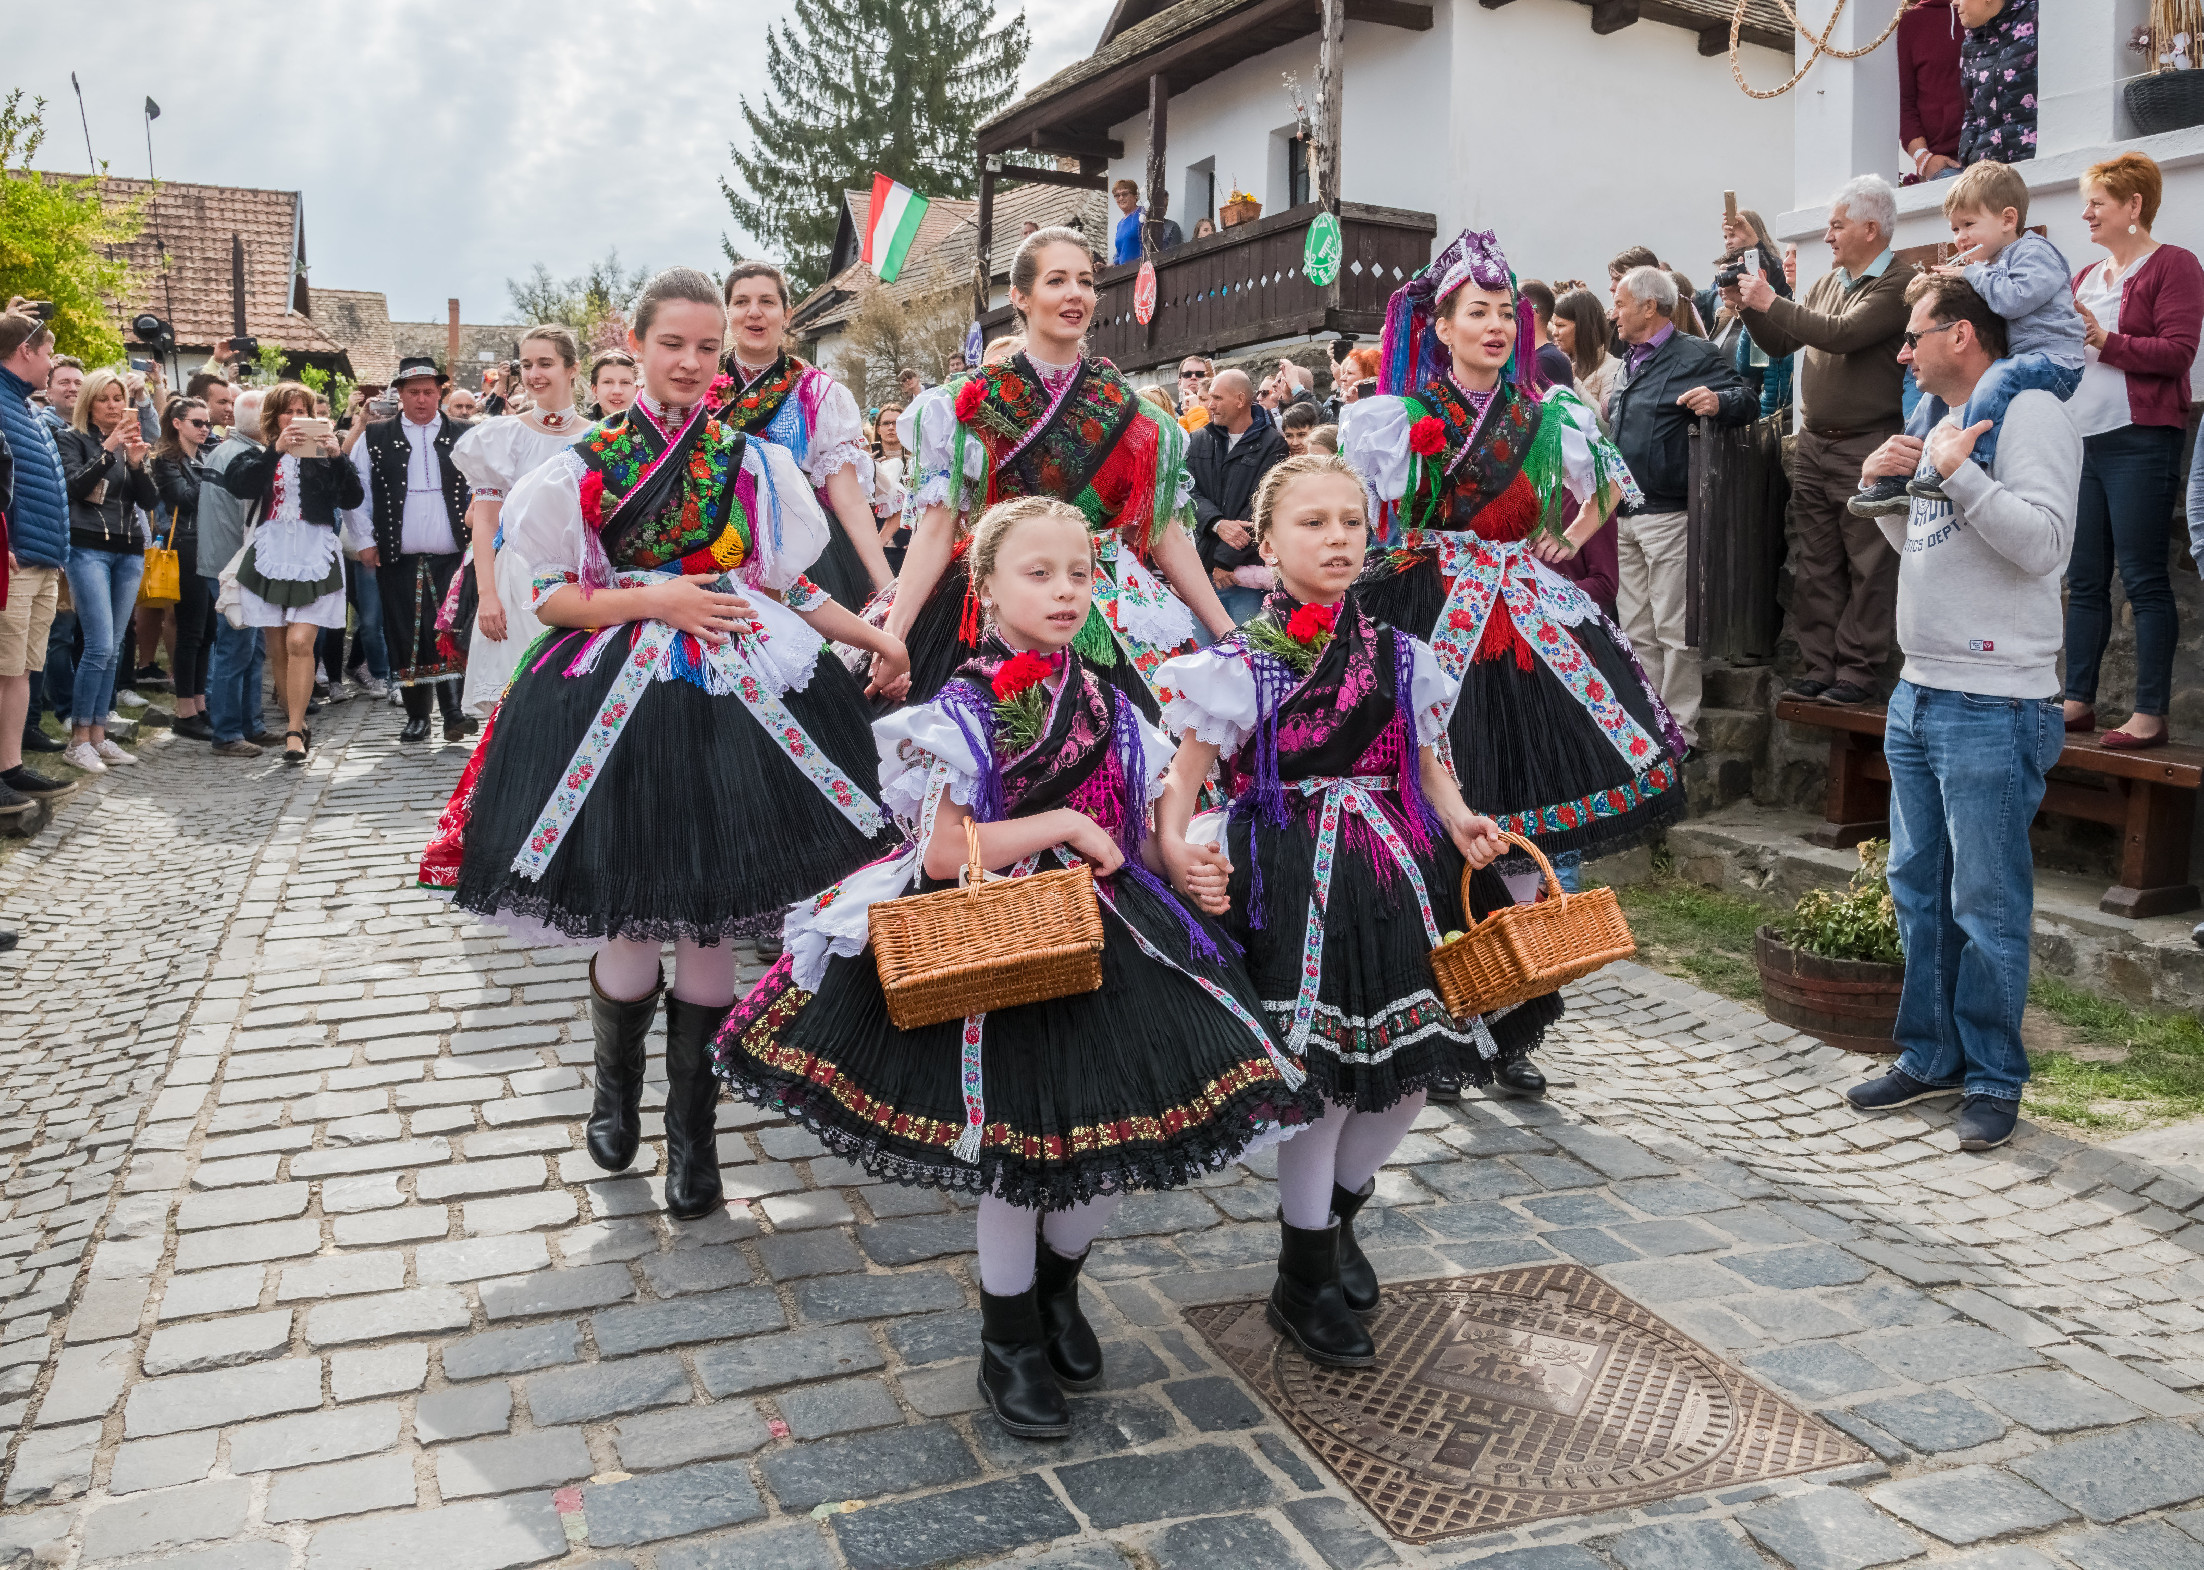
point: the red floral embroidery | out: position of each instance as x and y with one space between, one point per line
1019 672
593 498
969 399
1427 436
1460 620
1311 622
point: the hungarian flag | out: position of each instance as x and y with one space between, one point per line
897 211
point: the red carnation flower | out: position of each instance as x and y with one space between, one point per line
969 399
593 498
1019 672
1311 620
1427 436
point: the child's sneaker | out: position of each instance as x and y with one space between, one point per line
1883 499
1929 487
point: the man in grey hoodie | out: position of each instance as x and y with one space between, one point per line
1976 719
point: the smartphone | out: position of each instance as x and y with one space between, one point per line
1750 261
140 366
383 405
313 426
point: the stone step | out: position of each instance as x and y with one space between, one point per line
1741 686
1727 732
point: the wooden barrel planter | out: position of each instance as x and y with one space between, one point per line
1849 1003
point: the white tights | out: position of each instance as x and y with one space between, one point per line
1006 1238
627 969
1343 1147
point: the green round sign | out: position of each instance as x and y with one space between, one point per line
1320 253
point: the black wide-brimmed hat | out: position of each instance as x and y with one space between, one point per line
414 365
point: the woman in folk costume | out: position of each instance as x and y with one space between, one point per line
1558 733
677 752
1340 869
771 393
494 455
1049 1111
1051 421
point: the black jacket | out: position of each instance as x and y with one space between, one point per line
1225 481
109 524
1653 430
178 480
325 484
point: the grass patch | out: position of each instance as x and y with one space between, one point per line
1700 934
2153 1071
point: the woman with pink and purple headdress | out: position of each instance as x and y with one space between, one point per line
1485 477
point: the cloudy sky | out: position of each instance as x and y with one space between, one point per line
442 145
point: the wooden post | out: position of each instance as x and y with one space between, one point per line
1159 200
983 267
1331 62
451 339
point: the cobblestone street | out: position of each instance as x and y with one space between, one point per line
305 1266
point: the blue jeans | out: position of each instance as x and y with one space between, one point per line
105 586
2123 514
233 678
1966 777
367 604
2000 384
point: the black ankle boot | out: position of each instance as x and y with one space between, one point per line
1307 1306
1015 1376
1358 1281
1519 1077
692 1109
615 1121
1073 1351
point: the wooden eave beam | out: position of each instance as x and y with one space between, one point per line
1033 176
1073 144
1612 16
1392 13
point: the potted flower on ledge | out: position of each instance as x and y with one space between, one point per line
1834 967
1239 208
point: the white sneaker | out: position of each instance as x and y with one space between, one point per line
112 753
126 699
374 687
80 755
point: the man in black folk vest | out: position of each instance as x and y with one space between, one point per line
418 500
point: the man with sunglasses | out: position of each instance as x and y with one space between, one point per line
1193 393
1976 718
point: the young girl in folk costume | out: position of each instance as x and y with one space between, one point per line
494 455
1341 869
1558 733
1049 421
773 394
674 755
1049 1111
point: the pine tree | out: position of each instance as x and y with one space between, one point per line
859 86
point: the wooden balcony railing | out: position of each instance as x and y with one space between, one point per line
1244 286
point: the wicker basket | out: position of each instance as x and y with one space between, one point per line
1527 951
990 943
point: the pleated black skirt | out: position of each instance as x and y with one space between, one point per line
1146 1084
698 819
1380 1031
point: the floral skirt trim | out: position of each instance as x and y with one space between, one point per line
1587 811
1366 1040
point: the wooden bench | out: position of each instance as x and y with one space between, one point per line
2148 796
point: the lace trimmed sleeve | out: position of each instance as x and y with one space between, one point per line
790 530
928 430
1433 692
1373 437
838 438
543 526
1591 465
920 746
1210 692
485 457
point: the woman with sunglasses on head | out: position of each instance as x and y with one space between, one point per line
177 475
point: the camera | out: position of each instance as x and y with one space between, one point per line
244 348
153 332
1732 269
43 310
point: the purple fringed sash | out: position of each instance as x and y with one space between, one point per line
1422 822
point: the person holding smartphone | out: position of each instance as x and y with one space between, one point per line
103 456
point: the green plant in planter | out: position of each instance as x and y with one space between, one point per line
1861 923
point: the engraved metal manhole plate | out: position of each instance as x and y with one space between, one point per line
1520 1395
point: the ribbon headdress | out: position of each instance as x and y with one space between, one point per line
1410 354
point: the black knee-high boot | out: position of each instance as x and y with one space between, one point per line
1073 1351
1307 1306
1015 1376
692 1108
615 1120
1358 1281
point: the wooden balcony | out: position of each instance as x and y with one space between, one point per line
1244 286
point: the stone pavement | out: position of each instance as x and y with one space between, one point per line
305 1266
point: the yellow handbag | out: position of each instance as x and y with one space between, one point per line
163 583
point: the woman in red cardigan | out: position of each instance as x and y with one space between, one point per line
2141 308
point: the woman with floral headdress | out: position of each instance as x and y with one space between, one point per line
1051 420
1558 734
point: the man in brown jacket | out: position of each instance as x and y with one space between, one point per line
1847 330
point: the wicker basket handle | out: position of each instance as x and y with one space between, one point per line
975 870
1554 890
